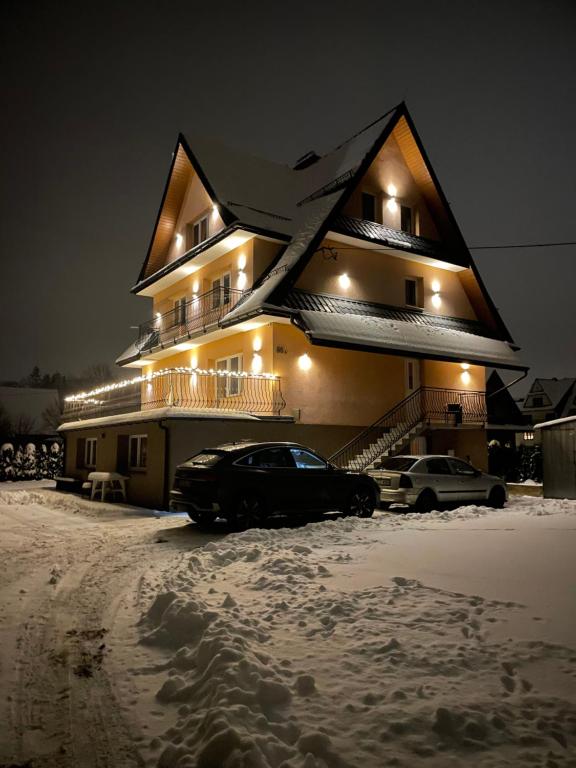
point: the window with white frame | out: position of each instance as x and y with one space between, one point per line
138 451
196 232
230 385
221 290
90 452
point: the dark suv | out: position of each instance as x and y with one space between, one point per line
247 482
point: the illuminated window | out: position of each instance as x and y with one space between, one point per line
138 451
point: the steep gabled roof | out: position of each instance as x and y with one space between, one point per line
555 389
304 204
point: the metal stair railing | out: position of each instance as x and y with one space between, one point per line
427 406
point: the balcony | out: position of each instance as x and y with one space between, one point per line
188 320
192 389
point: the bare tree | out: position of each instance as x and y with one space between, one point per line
24 424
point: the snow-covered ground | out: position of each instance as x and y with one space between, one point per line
437 640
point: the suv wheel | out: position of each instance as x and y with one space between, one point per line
361 503
497 497
426 501
249 512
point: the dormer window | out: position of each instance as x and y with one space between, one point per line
196 232
368 206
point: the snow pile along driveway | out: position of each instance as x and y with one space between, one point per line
281 650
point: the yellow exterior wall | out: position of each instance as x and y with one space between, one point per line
200 282
257 255
449 376
144 487
389 168
379 277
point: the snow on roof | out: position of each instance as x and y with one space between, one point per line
310 219
266 194
554 422
408 338
155 414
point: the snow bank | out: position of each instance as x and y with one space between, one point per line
270 664
66 502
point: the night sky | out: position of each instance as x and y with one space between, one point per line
93 97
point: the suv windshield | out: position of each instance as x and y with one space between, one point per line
397 463
203 459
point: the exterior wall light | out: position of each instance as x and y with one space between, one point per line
392 205
195 286
344 281
256 363
158 320
179 240
194 361
242 261
214 212
257 344
304 362
436 298
465 366
242 280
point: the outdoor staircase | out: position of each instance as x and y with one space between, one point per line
391 433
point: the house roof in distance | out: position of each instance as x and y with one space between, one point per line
554 389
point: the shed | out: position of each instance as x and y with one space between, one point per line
558 439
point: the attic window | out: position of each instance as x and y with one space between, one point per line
413 292
368 206
406 224
196 232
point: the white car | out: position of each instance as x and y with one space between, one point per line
424 482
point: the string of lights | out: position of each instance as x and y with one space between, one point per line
148 377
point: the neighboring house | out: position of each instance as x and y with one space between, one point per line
304 304
506 422
550 399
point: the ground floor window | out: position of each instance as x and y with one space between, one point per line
228 386
138 451
90 452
